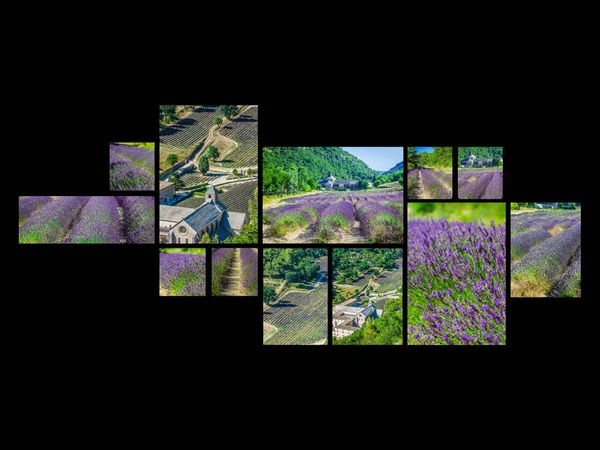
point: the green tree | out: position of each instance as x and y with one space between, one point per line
228 110
172 159
249 172
269 294
218 121
412 158
235 172
174 178
377 183
514 206
203 165
213 152
363 184
167 113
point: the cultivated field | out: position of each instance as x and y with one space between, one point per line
298 318
429 184
546 254
243 131
235 272
474 184
235 197
336 217
185 135
86 220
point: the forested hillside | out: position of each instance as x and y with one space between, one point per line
318 161
399 166
480 152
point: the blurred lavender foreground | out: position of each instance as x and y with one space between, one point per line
456 283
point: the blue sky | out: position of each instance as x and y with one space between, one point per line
378 158
424 149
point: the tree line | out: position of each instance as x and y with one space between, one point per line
440 157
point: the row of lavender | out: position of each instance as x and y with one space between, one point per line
546 254
86 220
475 184
131 168
429 184
330 215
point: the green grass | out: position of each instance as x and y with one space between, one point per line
459 212
146 145
287 223
195 251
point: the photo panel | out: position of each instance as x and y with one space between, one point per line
234 272
545 249
208 171
132 166
333 195
429 174
182 272
86 220
295 296
480 173
367 296
456 273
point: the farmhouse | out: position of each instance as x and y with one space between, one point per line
473 161
331 183
167 192
348 319
187 225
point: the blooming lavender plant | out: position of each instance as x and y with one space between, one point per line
183 274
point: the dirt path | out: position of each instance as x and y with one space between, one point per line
420 192
233 279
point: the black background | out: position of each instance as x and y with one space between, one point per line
102 300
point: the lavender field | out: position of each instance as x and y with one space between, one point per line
476 184
546 254
456 282
182 272
235 272
429 184
131 168
336 217
86 220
